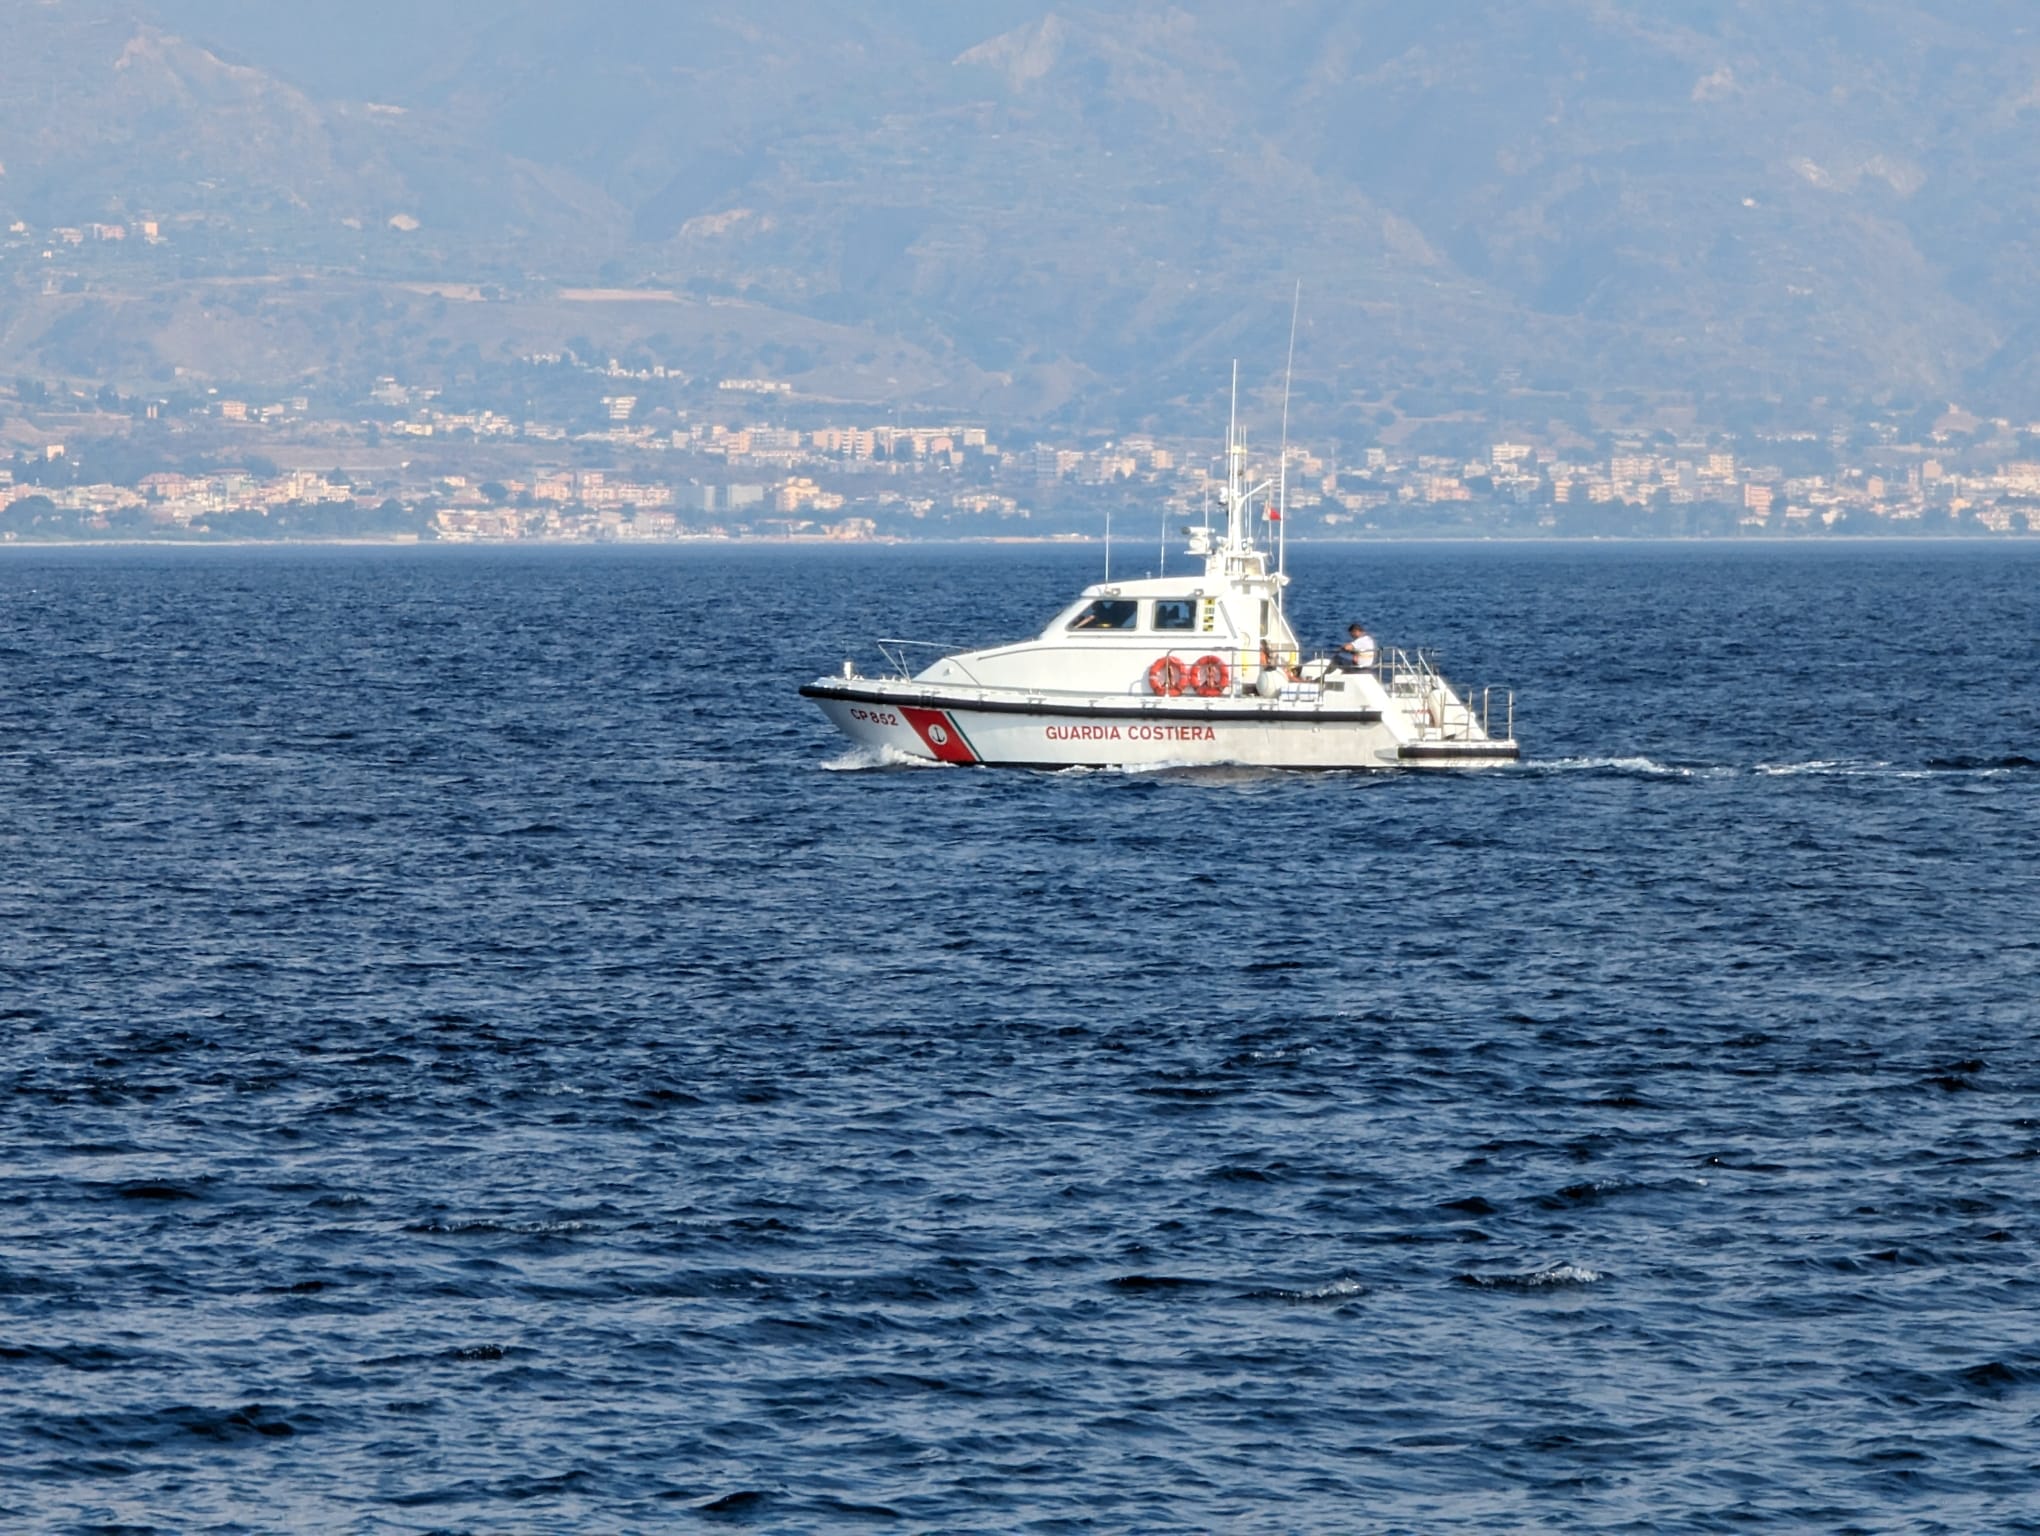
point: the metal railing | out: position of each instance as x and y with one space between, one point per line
1410 678
1440 712
900 655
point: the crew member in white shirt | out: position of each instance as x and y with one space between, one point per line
1357 654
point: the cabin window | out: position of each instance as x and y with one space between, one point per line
1108 613
1175 613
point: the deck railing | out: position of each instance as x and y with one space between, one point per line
1440 712
900 655
1410 678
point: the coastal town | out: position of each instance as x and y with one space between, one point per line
577 445
403 462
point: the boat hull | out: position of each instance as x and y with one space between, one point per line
977 731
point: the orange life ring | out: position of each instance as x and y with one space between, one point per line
1208 676
1167 676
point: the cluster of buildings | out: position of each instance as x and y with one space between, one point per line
479 473
762 491
1905 485
728 466
169 502
58 237
565 504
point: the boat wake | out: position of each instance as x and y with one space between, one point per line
1813 768
1877 768
1622 767
2013 763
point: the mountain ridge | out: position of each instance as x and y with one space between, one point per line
1574 197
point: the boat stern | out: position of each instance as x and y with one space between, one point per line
1457 754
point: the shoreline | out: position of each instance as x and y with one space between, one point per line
1045 541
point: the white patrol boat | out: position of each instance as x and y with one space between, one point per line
1172 671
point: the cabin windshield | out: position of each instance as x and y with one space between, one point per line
1108 613
1175 613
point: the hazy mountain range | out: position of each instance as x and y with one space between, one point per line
1058 209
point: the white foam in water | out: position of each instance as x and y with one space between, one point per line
1166 765
1336 1290
1538 1279
1333 1291
1835 766
1641 765
1183 768
1563 1274
863 759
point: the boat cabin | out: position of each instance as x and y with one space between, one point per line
1111 636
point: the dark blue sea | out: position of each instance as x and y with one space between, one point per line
477 1054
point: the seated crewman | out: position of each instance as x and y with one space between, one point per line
1358 653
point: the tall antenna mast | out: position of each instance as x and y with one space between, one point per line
1235 462
1282 466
